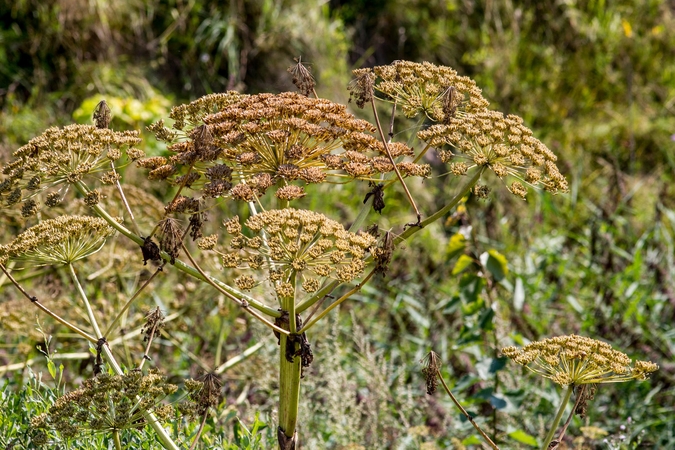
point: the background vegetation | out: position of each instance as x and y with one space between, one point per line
595 80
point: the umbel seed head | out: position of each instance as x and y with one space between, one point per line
62 156
502 144
63 240
281 142
436 91
575 360
302 245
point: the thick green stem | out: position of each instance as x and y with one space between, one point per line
116 438
561 410
289 376
289 390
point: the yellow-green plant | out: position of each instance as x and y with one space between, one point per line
285 266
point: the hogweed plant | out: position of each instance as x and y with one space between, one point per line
579 364
283 265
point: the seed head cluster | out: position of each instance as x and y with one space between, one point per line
502 144
63 240
108 402
264 141
63 155
436 91
202 395
576 360
291 244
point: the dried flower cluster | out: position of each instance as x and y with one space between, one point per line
431 368
108 402
437 91
576 360
63 240
302 78
267 140
502 144
202 394
295 245
63 155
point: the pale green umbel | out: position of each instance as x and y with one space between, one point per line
63 240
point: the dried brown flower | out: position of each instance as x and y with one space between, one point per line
302 78
436 91
256 142
62 155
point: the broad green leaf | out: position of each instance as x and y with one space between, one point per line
456 245
495 263
523 438
485 322
463 263
52 368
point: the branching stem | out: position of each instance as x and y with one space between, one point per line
466 414
554 426
391 159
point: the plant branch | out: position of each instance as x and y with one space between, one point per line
162 435
471 182
201 428
336 303
34 300
124 201
243 303
180 265
466 414
580 395
85 300
126 306
391 159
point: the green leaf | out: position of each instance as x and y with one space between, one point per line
485 322
463 263
52 368
472 440
495 263
523 438
455 246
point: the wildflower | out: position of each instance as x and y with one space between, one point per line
62 155
106 403
63 240
437 91
301 245
259 141
576 360
500 143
